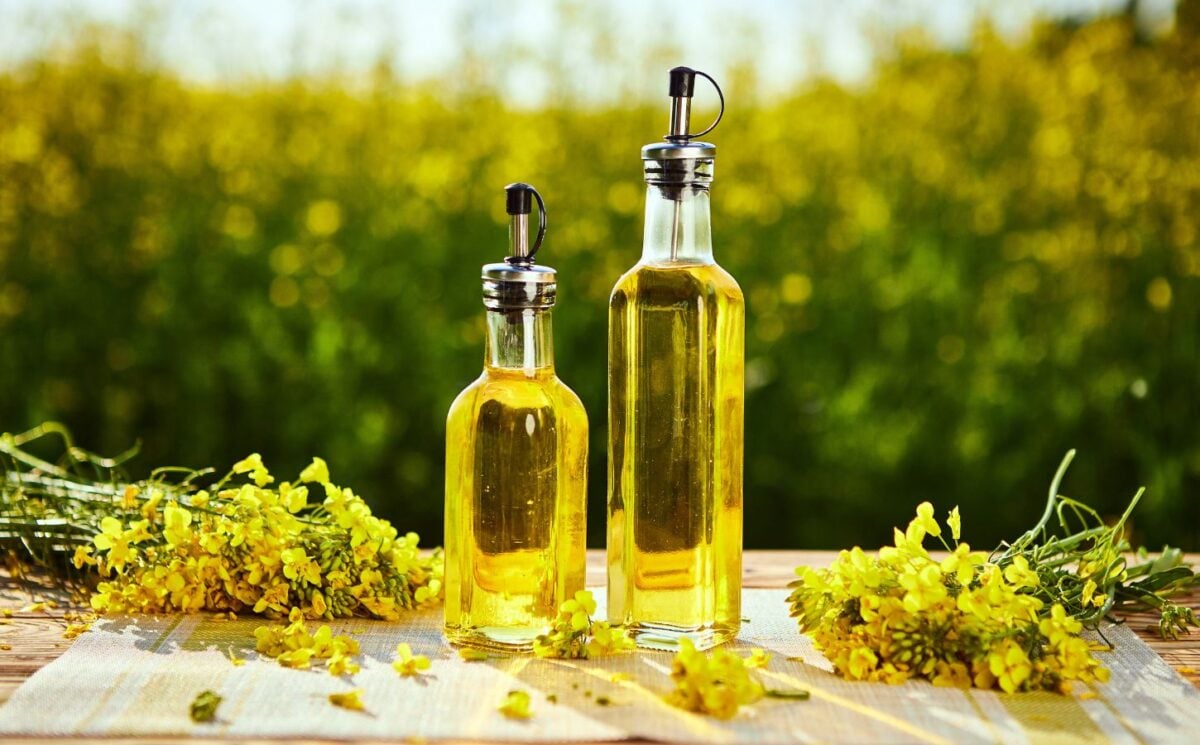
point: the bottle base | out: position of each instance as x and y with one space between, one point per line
666 637
494 638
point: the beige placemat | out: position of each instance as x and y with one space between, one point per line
137 676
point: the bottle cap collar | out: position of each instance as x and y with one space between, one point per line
509 287
678 150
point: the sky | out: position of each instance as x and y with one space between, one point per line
597 44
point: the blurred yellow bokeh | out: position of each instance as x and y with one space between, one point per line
955 270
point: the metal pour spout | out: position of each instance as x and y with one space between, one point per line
683 85
681 154
518 205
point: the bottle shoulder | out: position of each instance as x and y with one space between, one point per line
672 281
466 400
516 390
568 398
726 282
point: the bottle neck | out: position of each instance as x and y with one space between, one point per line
519 340
678 226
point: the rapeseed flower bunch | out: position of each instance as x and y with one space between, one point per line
251 545
574 635
715 684
245 544
957 621
1010 620
293 646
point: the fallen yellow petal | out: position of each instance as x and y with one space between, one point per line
348 700
516 705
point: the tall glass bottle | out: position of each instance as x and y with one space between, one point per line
676 368
516 457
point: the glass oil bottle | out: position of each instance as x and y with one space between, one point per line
676 395
516 456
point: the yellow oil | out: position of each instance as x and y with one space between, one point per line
516 492
676 396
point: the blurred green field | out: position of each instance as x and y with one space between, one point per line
953 273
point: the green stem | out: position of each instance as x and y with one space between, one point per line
1018 545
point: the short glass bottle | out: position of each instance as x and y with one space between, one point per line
516 466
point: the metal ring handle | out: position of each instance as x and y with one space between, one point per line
541 234
720 113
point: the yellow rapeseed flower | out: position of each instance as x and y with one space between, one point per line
293 646
608 639
1059 626
83 557
516 705
149 508
114 540
954 520
924 588
962 563
953 674
926 520
175 525
430 592
716 684
1019 573
1089 596
758 658
129 497
75 629
861 663
316 472
407 663
253 465
342 664
298 565
351 699
295 498
1009 665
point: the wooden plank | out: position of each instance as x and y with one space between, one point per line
36 638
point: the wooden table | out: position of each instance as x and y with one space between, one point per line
36 638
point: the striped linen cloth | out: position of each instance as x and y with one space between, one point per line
137 676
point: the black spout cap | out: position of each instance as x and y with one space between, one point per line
519 198
683 82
